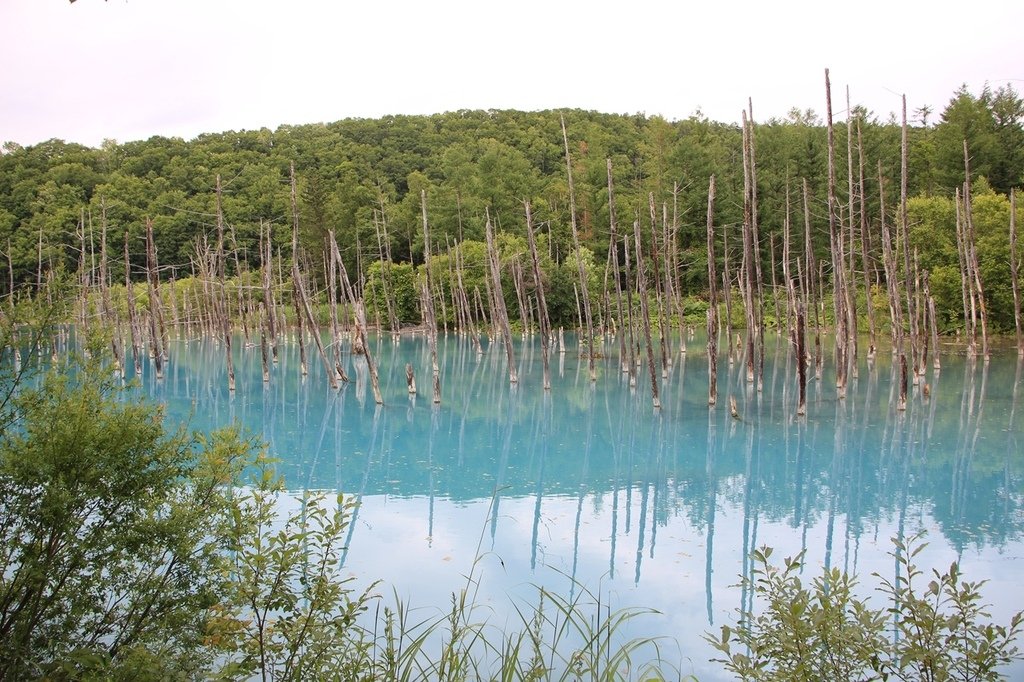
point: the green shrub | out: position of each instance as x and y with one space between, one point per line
826 632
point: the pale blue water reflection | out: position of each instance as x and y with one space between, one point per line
658 508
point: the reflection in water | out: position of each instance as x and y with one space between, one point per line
662 508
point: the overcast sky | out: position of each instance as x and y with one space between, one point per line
130 69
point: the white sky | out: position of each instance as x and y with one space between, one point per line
129 69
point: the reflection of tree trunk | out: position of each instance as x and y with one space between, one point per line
709 539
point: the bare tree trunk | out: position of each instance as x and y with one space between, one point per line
108 309
132 316
267 256
429 300
613 244
542 306
296 283
713 299
799 340
658 297
865 245
499 302
645 315
222 297
911 291
838 260
850 280
579 258
930 303
1014 264
360 314
153 276
966 282
972 251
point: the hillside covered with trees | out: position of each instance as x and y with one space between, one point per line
364 179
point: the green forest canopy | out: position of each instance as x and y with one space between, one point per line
354 174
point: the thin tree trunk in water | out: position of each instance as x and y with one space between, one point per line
712 313
865 245
930 302
266 254
542 306
1014 264
360 313
108 309
922 306
579 258
972 249
429 300
296 285
747 274
629 314
838 261
410 378
850 281
499 301
222 297
901 403
727 290
385 268
658 297
613 243
775 283
911 291
153 278
332 301
645 315
800 352
891 278
811 291
756 242
966 283
786 279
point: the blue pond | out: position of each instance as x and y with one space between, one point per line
588 485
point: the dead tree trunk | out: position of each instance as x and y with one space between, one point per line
713 299
267 256
836 248
1014 264
221 301
429 301
579 258
911 291
542 306
296 283
865 245
930 303
658 294
972 253
500 311
799 340
645 315
360 314
153 277
108 309
613 245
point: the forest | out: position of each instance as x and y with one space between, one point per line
372 181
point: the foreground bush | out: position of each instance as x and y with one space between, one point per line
933 632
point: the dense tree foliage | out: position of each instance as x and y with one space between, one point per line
364 178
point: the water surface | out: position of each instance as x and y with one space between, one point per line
588 483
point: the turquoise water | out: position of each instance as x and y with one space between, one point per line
652 508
